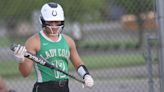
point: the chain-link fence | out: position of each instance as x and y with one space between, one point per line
116 39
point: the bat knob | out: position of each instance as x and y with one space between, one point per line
13 46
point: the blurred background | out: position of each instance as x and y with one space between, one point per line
117 40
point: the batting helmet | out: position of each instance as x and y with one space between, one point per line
51 12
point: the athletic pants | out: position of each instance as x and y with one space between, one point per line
51 86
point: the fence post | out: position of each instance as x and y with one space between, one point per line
148 59
160 19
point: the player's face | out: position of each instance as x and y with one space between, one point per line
53 27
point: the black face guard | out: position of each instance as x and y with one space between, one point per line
44 23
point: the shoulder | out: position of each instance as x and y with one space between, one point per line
69 40
33 42
33 38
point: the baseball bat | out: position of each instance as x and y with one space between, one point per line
44 63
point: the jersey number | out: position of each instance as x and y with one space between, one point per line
60 65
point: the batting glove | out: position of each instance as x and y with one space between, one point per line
89 82
19 53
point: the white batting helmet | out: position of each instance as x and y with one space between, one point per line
51 12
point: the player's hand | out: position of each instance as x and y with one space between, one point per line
89 82
19 53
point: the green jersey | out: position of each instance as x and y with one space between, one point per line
56 53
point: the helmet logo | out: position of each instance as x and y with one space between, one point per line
54 13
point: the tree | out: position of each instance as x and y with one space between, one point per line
83 10
75 10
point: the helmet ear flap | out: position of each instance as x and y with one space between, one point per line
42 21
62 24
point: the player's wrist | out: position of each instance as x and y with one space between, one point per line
19 59
87 75
82 71
22 60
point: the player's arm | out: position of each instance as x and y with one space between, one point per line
78 63
26 65
74 56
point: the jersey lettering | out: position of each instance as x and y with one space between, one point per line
57 52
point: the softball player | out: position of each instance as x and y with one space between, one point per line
56 48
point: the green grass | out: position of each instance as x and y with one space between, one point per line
4 42
104 45
111 61
9 69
